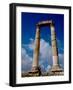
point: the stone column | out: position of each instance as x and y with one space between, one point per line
54 45
36 50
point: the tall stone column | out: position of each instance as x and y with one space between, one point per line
35 66
56 69
54 45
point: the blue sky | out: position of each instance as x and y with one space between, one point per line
28 30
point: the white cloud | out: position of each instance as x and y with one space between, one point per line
31 44
31 40
26 60
45 56
45 49
61 56
42 68
48 68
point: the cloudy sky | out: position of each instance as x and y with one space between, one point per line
28 22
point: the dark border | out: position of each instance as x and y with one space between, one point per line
12 41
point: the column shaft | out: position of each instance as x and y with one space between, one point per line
36 49
54 46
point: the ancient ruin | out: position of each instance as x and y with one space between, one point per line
56 69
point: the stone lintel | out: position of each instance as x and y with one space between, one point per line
44 23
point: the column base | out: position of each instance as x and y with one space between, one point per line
36 71
56 70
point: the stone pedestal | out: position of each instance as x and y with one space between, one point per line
56 70
36 71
